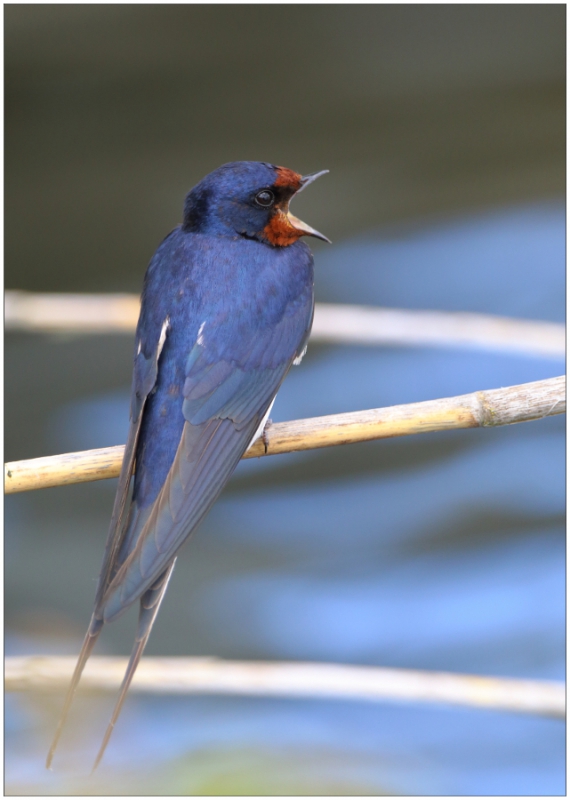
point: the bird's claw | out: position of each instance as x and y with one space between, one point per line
264 435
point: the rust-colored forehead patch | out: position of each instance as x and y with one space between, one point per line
289 179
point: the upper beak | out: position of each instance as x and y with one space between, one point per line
299 224
307 179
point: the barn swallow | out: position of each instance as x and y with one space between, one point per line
226 310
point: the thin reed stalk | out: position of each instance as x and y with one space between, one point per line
292 679
340 324
495 407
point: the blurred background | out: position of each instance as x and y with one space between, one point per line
443 128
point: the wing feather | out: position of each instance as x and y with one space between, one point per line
194 482
144 378
224 400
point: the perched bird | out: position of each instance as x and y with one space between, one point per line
227 308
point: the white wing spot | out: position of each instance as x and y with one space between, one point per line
299 358
200 339
162 339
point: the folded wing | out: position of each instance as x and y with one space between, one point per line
223 405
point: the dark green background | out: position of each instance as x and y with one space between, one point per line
113 112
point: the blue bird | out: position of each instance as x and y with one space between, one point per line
227 308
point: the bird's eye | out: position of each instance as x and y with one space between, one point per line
264 198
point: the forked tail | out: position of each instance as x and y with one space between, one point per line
95 627
149 605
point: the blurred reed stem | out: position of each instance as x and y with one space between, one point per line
339 324
183 675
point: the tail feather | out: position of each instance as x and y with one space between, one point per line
149 605
95 628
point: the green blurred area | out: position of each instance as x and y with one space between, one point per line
114 111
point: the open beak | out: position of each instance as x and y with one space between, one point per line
299 224
307 179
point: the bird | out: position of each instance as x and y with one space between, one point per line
226 309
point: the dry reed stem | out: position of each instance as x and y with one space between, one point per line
345 324
494 407
339 681
85 313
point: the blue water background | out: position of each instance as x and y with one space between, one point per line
444 551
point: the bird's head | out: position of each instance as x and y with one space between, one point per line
249 199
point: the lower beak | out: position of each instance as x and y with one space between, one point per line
297 223
305 229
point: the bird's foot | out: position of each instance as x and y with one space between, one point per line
264 435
